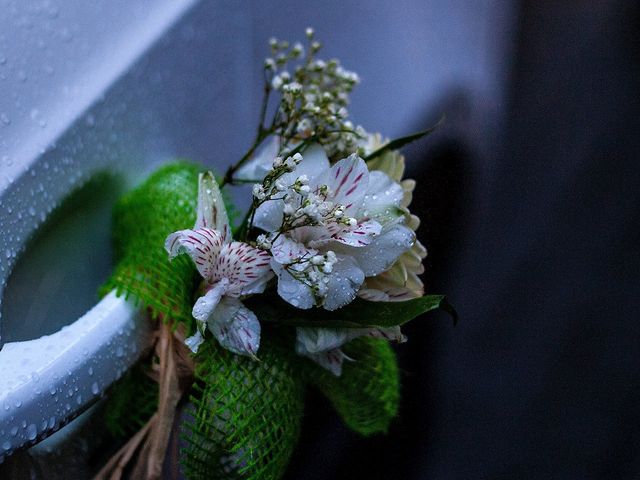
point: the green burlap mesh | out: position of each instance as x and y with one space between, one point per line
132 402
143 218
245 415
367 393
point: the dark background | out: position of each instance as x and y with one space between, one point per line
539 253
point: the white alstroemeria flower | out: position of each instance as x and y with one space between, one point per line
322 345
230 270
325 242
349 214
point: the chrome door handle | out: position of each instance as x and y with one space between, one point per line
48 381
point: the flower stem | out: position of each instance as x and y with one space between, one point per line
261 134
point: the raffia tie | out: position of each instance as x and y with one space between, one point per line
173 370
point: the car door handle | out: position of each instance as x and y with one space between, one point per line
48 381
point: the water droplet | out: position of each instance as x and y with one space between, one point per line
6 445
32 432
90 371
32 211
94 388
14 430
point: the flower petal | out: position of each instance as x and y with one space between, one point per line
212 213
348 180
382 252
203 246
396 294
291 290
392 334
285 250
385 215
383 190
194 341
205 305
382 200
360 236
258 167
315 340
314 162
344 283
236 327
246 268
330 360
268 216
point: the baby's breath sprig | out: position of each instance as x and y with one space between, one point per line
312 105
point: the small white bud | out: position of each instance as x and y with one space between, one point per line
258 192
263 242
297 157
277 82
309 32
290 163
298 49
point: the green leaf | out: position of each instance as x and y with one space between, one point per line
402 141
358 314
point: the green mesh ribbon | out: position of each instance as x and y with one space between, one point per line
166 202
366 395
244 416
